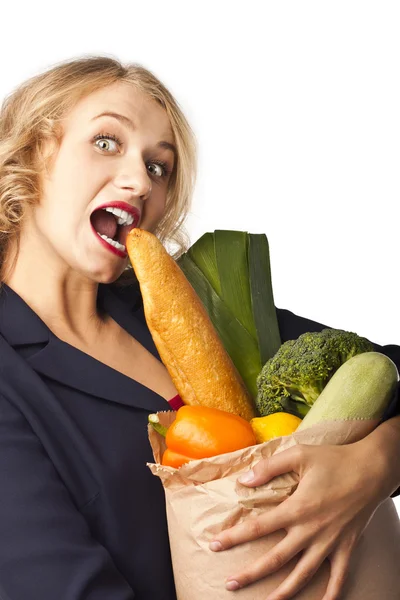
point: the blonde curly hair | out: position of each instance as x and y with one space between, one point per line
30 117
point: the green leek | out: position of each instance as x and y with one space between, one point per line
230 272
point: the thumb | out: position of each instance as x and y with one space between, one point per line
268 468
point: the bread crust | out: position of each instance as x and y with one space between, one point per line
189 346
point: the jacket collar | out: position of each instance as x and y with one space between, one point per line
60 361
19 324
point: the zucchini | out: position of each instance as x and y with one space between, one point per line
361 388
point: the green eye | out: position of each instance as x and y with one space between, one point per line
107 142
158 169
155 169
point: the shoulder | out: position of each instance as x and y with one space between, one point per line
14 427
291 326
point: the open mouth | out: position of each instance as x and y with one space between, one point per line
113 225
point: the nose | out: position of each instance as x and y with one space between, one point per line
133 176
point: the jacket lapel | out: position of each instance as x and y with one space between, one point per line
64 363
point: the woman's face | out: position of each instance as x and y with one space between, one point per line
105 164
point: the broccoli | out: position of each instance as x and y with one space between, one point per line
295 376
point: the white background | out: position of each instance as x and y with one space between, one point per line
296 109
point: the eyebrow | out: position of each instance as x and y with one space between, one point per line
126 121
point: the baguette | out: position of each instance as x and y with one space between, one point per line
188 344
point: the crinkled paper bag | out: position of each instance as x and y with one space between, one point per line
203 497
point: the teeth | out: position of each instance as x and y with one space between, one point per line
124 217
112 242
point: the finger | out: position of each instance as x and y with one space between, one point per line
303 572
284 462
274 560
339 568
252 528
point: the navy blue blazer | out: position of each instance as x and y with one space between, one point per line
81 516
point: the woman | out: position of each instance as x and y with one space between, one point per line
88 150
81 516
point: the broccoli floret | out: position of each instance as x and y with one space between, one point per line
295 376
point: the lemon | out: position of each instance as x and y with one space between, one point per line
275 425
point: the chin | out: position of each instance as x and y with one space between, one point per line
105 275
108 279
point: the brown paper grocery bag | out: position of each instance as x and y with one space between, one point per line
203 497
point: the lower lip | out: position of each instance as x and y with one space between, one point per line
108 246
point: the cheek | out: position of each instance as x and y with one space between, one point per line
154 209
79 179
77 168
73 185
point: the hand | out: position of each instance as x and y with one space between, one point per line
339 490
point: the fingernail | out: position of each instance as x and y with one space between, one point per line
231 585
215 546
246 477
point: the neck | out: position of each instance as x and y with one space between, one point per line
64 299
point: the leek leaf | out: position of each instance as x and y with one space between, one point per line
264 312
232 264
203 255
239 344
